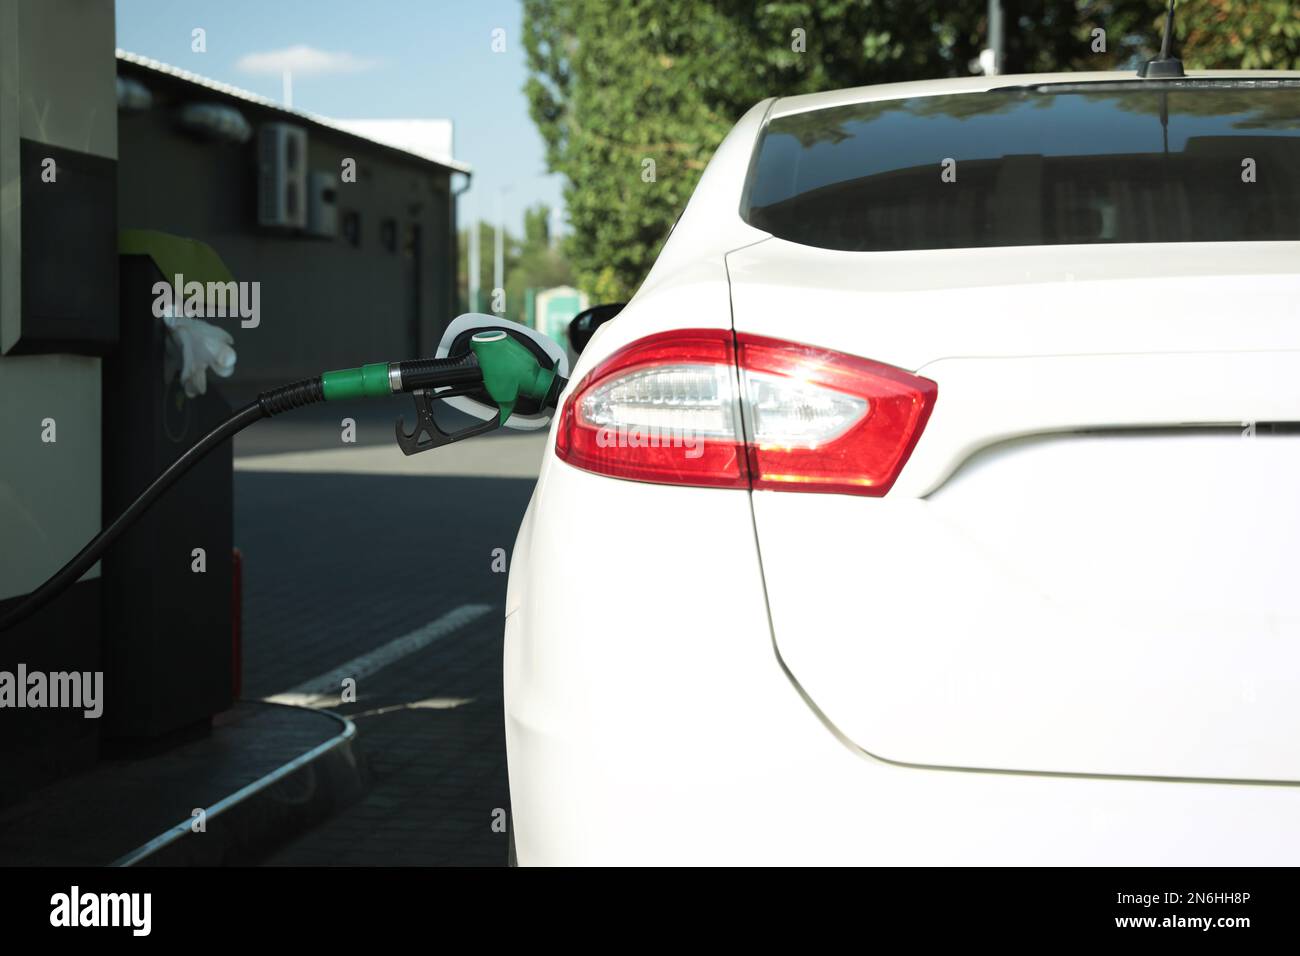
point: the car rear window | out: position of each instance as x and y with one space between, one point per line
1045 165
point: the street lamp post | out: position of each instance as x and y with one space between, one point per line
499 263
991 57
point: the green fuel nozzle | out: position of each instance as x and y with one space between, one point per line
497 366
506 369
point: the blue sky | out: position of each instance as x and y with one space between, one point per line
387 59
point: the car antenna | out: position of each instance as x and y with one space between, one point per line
1166 64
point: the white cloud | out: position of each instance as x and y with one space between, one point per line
303 61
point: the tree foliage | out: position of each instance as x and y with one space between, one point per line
533 262
1241 34
632 97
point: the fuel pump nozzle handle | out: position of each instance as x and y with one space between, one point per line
496 364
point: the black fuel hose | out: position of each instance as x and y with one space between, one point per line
271 402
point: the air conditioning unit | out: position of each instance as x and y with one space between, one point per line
282 176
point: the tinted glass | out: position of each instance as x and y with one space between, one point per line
1034 167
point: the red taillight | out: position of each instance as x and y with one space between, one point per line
661 409
701 407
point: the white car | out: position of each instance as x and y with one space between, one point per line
936 500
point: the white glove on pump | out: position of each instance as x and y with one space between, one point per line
202 346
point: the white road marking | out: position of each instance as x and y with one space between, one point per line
325 689
429 703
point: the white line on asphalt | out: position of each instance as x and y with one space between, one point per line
324 690
429 703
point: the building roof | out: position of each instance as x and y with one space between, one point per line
430 138
349 128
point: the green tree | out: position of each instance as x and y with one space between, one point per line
1239 34
632 97
535 262
541 263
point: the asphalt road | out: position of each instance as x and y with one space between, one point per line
342 557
